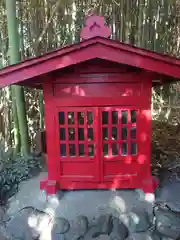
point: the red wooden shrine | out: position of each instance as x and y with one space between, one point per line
97 96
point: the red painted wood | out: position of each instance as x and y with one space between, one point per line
98 77
53 167
84 44
87 50
98 90
65 184
90 102
118 164
102 172
95 27
96 66
79 168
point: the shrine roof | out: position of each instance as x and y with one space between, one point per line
95 44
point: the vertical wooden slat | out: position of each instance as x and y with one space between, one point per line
128 134
99 135
109 132
67 134
85 133
120 131
76 132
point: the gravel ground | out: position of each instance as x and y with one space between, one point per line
86 215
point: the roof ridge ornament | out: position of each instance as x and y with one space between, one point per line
95 26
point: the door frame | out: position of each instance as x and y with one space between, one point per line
98 159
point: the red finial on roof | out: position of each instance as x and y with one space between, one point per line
94 26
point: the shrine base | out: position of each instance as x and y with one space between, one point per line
52 186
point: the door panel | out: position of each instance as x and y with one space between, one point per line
98 144
78 158
119 142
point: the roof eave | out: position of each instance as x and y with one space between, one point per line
122 54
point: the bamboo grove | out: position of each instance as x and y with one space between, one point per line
44 25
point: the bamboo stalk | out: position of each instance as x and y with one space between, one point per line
123 37
141 22
18 92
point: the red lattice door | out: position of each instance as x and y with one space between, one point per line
98 144
77 144
119 143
